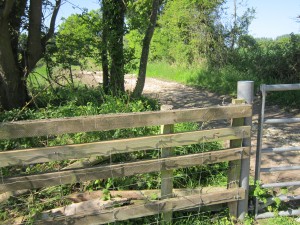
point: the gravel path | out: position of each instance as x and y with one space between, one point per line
182 96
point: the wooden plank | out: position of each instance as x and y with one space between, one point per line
92 206
140 194
45 127
120 170
167 175
87 213
105 148
234 171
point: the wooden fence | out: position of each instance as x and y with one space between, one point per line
90 211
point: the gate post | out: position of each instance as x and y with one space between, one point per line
167 175
245 90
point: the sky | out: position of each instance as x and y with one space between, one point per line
273 18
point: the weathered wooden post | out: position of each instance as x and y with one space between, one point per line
234 172
239 170
167 175
245 91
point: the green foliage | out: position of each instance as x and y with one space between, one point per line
68 102
261 193
220 80
185 31
78 38
280 221
271 60
275 205
178 73
76 42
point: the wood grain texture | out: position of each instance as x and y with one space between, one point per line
9 130
167 175
90 212
121 170
105 148
140 194
234 171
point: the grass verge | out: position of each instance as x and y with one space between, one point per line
222 81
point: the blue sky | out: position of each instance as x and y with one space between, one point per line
273 17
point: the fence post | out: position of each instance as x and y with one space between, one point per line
234 171
245 90
167 175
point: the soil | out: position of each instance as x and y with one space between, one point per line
182 96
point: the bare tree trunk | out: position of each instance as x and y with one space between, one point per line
138 90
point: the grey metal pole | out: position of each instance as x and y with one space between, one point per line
245 90
260 129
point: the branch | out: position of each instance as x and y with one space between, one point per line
7 9
52 23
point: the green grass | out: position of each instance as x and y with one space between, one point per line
222 81
176 73
280 220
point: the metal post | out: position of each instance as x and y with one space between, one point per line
260 127
245 90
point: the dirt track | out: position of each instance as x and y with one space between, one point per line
181 96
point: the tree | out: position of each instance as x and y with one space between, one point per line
19 56
113 56
112 46
77 40
145 50
187 31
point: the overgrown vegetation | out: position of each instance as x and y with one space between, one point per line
265 61
191 44
80 101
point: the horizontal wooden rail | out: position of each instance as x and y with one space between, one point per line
9 130
141 194
88 212
121 170
105 148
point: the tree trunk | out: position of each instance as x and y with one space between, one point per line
112 46
104 57
115 46
16 63
34 43
138 90
13 91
